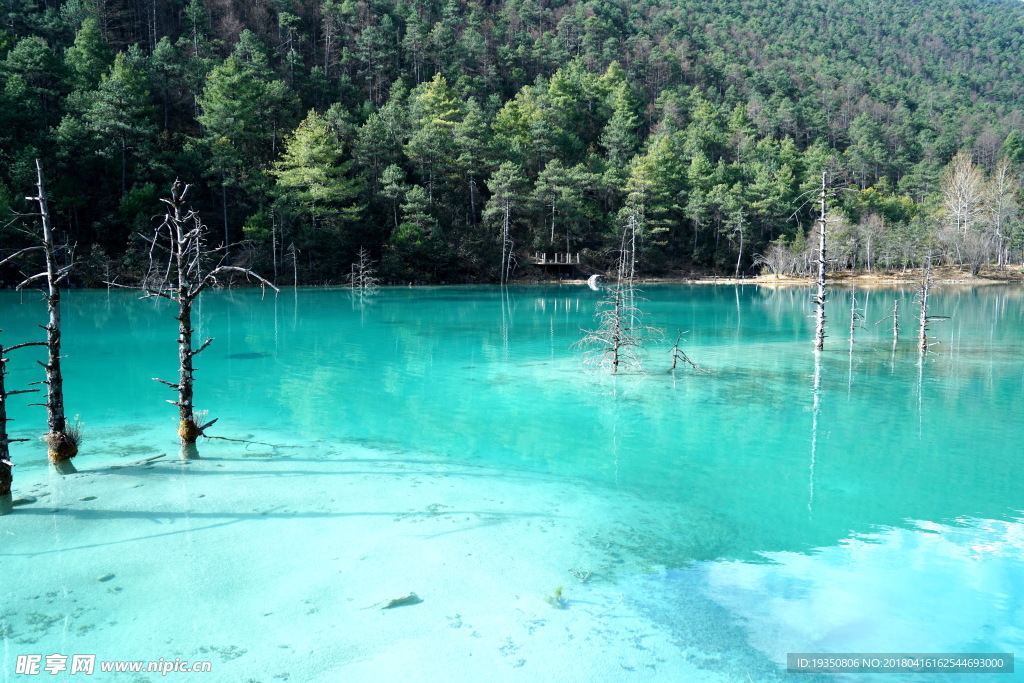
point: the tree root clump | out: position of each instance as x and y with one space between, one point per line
6 500
61 446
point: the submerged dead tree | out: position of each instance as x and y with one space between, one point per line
894 315
923 292
61 440
819 298
619 342
856 316
362 276
180 268
678 354
6 465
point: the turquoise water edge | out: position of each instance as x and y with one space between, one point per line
448 442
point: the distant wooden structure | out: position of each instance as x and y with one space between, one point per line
558 262
539 259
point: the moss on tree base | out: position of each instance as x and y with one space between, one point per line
188 432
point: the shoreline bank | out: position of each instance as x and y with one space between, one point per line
941 276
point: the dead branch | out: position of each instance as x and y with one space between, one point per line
20 346
18 254
679 355
29 280
202 347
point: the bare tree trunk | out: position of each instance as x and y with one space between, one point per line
856 316
894 315
627 248
617 331
6 475
152 27
295 264
819 300
328 35
552 223
6 471
188 430
61 445
922 296
924 317
224 208
273 242
895 321
739 257
506 243
124 165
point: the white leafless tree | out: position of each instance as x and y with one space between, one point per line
962 192
1003 186
619 342
778 258
362 277
963 204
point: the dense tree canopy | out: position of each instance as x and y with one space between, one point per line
440 134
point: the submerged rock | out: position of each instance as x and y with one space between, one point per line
410 599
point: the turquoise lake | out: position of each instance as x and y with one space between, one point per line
448 442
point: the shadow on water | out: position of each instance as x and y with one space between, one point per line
390 467
482 518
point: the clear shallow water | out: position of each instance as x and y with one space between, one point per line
736 516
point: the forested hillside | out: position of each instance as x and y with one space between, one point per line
425 130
